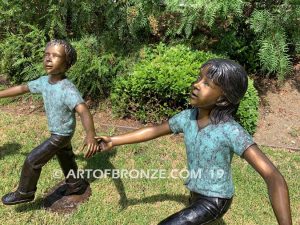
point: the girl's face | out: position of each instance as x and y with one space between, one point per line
204 92
55 60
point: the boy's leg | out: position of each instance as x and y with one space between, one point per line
205 210
66 159
32 167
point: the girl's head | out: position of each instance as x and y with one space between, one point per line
70 52
226 83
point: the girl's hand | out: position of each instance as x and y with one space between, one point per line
105 143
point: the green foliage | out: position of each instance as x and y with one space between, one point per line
236 44
55 26
93 72
273 52
158 86
59 19
247 113
259 34
269 47
21 54
195 13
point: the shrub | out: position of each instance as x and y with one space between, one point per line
93 72
21 54
247 113
159 86
262 35
269 26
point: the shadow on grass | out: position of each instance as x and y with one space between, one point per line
101 162
160 198
37 204
9 149
218 222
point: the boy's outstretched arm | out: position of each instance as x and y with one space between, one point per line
140 135
14 91
277 187
88 124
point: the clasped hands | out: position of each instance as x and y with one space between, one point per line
98 144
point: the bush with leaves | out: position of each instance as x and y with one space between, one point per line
158 85
262 35
247 113
94 70
274 29
21 54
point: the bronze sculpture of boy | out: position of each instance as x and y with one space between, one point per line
61 100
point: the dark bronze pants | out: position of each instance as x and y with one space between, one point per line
56 145
202 210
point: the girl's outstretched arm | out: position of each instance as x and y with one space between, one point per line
277 187
140 135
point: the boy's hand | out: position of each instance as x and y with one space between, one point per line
104 143
92 147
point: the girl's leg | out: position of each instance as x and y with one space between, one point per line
203 210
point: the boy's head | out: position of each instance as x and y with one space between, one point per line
69 51
232 79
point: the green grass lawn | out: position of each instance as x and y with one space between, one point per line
131 201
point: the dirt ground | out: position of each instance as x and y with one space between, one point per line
279 113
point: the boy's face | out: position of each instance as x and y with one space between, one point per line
55 60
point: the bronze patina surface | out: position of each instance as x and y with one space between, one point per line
56 201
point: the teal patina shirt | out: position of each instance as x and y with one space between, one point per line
209 152
60 100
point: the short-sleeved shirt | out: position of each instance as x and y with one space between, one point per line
209 152
60 100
